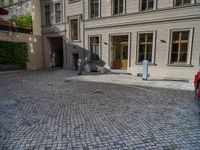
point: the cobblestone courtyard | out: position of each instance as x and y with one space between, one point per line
40 110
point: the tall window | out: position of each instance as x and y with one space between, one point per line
145 47
58 12
47 14
147 4
118 7
182 2
179 48
74 28
94 48
94 6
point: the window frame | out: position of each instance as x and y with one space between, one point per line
90 9
112 8
190 44
45 14
100 46
153 59
58 11
70 29
154 7
182 4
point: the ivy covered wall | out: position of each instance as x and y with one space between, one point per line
13 52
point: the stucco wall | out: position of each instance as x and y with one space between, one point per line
34 44
162 30
164 18
36 17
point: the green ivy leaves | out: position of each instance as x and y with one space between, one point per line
13 52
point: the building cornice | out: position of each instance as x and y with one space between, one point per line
146 12
147 22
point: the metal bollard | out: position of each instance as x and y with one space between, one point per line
79 67
145 70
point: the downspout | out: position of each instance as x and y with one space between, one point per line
64 40
43 52
42 37
83 30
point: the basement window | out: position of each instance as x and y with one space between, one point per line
182 2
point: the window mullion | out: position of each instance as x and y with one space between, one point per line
93 9
179 47
145 52
147 5
118 10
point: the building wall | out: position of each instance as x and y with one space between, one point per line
53 29
22 7
132 6
33 40
74 10
18 8
34 44
161 51
160 20
36 17
69 10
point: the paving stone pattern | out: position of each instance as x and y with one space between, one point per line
51 113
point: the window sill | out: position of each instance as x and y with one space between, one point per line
58 23
95 18
70 2
179 65
75 41
53 24
147 10
46 25
95 61
184 5
149 64
116 15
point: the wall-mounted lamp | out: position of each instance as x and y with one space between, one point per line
163 41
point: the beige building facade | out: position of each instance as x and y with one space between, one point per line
34 42
36 54
120 34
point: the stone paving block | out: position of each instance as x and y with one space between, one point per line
86 115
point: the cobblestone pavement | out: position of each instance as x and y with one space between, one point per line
183 84
39 110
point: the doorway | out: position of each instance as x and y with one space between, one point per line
75 58
56 55
119 52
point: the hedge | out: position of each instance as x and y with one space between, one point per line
13 52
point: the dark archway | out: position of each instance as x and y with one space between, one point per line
56 45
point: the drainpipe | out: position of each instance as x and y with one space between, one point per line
43 41
83 30
43 52
64 40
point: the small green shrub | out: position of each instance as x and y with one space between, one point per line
24 21
13 52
